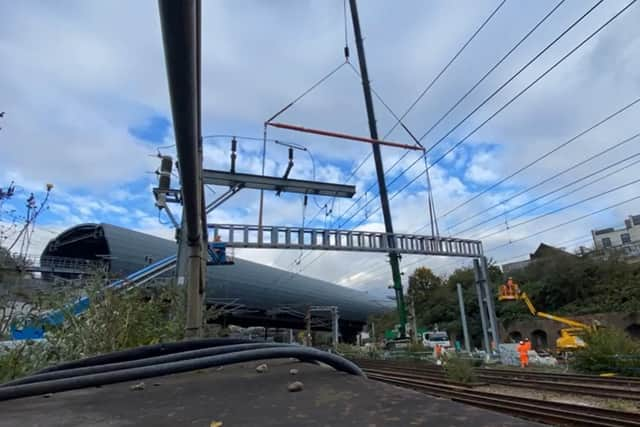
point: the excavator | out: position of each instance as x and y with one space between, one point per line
570 337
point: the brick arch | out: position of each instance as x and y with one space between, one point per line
633 330
539 339
515 336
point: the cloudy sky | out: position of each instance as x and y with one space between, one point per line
84 90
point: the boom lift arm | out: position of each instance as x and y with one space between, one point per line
574 324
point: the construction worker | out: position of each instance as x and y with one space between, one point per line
437 351
511 287
527 343
522 349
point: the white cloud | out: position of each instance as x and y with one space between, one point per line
73 84
482 168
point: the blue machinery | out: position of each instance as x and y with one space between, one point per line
36 330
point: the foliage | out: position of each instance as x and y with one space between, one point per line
458 369
421 282
572 285
609 350
8 265
114 321
416 347
562 283
383 322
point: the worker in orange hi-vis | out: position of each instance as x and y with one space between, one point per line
527 343
437 351
522 349
511 287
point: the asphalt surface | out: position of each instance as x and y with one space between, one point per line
239 396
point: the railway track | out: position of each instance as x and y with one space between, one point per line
626 388
554 413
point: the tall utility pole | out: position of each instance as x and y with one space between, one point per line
180 23
382 185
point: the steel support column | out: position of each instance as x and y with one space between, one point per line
463 319
481 306
382 186
180 22
485 300
493 322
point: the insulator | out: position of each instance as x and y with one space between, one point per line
166 167
234 147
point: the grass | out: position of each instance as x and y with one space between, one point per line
458 369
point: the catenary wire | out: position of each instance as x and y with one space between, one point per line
493 68
506 83
594 181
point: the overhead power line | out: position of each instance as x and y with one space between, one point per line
542 157
566 222
446 67
547 179
415 102
529 86
421 259
540 77
579 202
492 69
574 182
568 193
580 239
516 74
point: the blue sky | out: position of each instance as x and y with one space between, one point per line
85 94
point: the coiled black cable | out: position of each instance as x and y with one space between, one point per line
108 367
146 351
168 368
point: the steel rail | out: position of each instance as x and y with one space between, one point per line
515 380
534 409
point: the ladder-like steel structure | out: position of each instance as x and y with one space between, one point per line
280 237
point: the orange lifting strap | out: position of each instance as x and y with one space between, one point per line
343 136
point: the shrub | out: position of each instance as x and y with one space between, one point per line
458 369
608 350
114 321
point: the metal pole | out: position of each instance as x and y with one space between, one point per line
382 186
481 305
463 318
180 22
493 323
373 333
414 323
309 327
334 328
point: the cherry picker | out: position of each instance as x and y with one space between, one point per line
570 337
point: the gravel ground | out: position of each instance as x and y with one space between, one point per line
598 402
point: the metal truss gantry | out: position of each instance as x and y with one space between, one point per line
279 237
